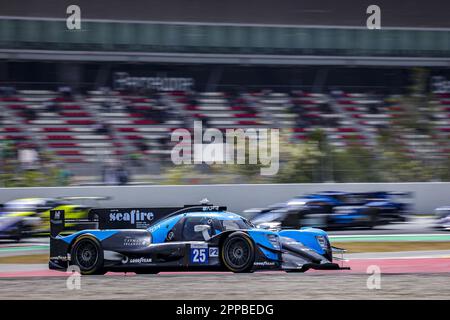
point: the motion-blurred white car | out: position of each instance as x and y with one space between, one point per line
443 217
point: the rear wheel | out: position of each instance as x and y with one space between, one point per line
372 215
238 252
87 254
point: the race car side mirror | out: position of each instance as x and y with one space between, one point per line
273 226
203 228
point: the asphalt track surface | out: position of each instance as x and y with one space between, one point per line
277 285
406 275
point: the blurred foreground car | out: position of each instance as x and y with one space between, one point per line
31 216
206 237
335 209
442 215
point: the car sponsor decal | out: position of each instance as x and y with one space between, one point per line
60 258
264 263
139 260
129 218
140 219
133 242
199 254
213 252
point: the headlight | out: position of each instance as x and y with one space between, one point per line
274 240
322 240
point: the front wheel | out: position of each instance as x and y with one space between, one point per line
238 252
87 254
17 234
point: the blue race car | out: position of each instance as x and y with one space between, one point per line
205 237
335 209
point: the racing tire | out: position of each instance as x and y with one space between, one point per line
18 234
372 213
238 253
87 254
17 238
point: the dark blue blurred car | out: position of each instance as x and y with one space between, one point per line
335 209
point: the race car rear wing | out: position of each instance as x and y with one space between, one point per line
122 218
58 223
399 194
99 198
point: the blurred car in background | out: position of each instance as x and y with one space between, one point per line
442 215
24 217
335 209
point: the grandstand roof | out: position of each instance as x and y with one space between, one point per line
430 13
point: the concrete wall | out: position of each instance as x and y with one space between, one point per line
427 196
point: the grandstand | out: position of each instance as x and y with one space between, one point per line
98 125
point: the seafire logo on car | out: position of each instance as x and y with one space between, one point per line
211 208
133 216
